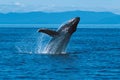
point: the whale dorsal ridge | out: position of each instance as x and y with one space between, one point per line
49 32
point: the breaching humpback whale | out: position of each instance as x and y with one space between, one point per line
61 37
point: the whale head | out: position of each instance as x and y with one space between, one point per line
70 26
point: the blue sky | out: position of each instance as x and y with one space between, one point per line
59 5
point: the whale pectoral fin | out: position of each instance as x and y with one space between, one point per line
49 32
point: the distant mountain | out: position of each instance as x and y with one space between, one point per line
87 17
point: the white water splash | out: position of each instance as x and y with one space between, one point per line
40 43
32 46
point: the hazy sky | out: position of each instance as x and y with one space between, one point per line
59 5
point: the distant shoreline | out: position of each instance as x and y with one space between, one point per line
86 17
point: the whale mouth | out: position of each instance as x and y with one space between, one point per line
73 24
77 19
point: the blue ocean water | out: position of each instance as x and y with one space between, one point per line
92 54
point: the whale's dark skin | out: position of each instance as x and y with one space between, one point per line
61 37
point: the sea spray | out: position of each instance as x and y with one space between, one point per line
33 45
41 43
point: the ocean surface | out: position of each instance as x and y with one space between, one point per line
92 54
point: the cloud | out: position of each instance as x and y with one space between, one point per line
14 7
18 4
